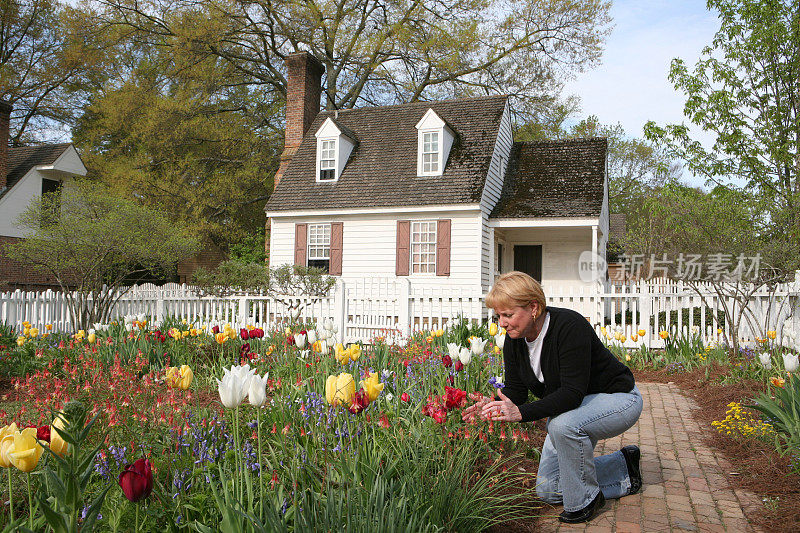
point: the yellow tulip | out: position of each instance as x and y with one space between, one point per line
180 378
341 355
642 332
439 332
355 351
6 440
49 327
221 337
771 334
497 349
185 334
26 332
634 338
372 386
493 329
20 341
57 444
91 338
35 332
25 452
603 330
627 357
339 390
26 324
664 334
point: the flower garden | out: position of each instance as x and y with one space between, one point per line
134 426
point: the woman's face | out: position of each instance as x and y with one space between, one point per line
517 320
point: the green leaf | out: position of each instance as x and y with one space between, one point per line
94 509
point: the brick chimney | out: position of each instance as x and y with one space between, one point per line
303 91
5 119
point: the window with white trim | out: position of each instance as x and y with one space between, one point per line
430 152
319 246
423 247
327 160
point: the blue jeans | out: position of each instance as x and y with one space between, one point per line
568 471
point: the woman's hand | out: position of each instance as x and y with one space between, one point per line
468 414
502 410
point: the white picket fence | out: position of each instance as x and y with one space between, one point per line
362 309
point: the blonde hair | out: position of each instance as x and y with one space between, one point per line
516 289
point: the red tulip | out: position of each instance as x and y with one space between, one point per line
290 340
458 366
446 361
137 480
215 330
405 397
244 334
454 397
43 433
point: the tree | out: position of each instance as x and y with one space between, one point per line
745 91
93 243
377 52
44 67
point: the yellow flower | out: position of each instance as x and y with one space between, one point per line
91 338
355 351
627 357
439 332
719 331
429 338
634 338
20 340
771 334
180 378
57 444
497 349
26 324
48 327
778 382
339 390
603 330
6 440
26 332
372 386
664 334
35 332
341 355
493 329
25 452
317 346
185 334
642 332
220 337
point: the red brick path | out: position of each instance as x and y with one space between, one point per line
685 488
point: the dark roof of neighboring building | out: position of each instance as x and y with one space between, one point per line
21 159
616 226
382 169
563 178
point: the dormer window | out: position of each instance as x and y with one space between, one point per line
327 160
334 145
430 152
435 140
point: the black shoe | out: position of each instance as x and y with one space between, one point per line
633 457
585 514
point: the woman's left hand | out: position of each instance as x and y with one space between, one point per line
502 410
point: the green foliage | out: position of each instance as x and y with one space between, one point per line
781 408
96 244
463 329
67 478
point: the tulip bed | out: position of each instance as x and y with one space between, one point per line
200 427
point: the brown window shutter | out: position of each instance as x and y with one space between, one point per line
300 241
403 244
335 266
443 247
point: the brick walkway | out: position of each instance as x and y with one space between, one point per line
685 488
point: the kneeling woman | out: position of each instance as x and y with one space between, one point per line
585 392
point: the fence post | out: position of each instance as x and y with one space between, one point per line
161 307
646 311
338 311
404 322
244 311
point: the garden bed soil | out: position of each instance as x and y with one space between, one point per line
757 467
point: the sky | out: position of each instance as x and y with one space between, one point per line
631 86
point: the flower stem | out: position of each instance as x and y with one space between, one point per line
30 501
10 495
137 517
260 465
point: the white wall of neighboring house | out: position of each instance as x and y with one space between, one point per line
17 199
561 248
369 244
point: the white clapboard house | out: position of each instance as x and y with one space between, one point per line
435 192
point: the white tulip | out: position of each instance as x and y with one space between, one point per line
300 340
91 331
257 391
465 355
328 324
312 336
695 330
235 385
98 325
322 334
324 347
304 353
453 350
790 362
476 345
500 340
128 327
766 360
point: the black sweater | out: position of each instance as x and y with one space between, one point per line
574 363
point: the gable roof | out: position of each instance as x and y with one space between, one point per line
563 178
382 169
21 159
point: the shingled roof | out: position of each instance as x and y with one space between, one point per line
382 169
21 159
563 178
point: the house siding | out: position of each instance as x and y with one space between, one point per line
369 244
491 195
